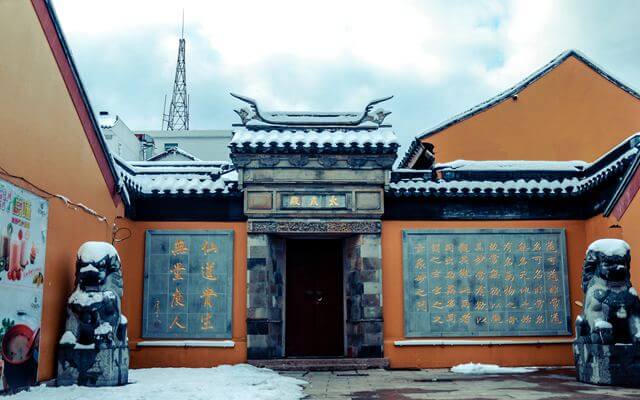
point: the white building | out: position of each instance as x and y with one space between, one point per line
206 145
120 139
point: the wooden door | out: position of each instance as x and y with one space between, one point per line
314 299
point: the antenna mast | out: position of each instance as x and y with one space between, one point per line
178 117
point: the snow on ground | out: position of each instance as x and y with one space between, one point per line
472 368
228 382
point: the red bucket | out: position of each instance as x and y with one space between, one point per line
17 344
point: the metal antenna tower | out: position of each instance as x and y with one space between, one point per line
177 119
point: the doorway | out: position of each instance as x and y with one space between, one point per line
314 298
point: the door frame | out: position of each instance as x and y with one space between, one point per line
285 278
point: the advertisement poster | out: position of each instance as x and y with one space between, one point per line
23 238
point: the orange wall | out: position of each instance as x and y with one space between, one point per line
630 223
447 356
43 141
572 113
132 254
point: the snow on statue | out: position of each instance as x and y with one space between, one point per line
607 346
93 350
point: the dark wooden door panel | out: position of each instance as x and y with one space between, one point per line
314 307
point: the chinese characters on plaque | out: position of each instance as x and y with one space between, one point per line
188 284
485 283
315 200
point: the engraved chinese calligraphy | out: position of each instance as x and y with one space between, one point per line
485 283
188 284
314 201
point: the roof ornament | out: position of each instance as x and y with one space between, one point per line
251 112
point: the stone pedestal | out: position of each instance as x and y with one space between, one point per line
599 364
93 367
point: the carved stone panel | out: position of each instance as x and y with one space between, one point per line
486 282
259 200
293 226
368 201
188 281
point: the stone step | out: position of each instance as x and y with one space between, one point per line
321 364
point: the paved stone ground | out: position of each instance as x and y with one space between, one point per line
439 384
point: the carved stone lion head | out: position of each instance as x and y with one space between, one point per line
98 268
609 259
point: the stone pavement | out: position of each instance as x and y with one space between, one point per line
440 384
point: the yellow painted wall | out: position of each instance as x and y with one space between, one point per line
447 356
572 113
132 253
42 140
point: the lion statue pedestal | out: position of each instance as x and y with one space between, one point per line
607 346
93 350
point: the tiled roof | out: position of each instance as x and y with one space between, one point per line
178 178
174 150
381 140
515 178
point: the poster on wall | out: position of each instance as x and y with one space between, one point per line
486 282
23 238
188 283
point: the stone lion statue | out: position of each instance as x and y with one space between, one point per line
611 307
93 348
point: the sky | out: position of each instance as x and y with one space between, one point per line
437 58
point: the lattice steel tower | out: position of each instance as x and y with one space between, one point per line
177 119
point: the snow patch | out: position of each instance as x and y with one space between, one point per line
514 165
89 268
602 324
472 368
82 298
104 329
610 247
333 137
226 382
68 338
96 251
80 346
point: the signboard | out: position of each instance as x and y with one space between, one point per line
485 283
314 201
23 239
188 282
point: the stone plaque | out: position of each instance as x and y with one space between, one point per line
188 284
486 282
310 201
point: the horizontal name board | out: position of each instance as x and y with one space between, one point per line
188 284
314 201
485 283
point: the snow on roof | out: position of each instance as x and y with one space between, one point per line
183 183
252 116
570 184
514 165
383 138
96 251
107 120
174 150
197 177
610 247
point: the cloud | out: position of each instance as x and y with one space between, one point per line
437 58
